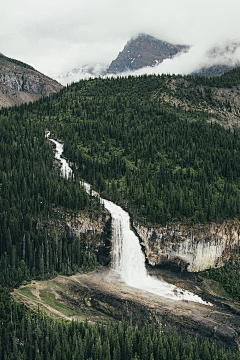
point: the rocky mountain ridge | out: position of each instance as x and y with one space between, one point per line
147 51
20 83
143 51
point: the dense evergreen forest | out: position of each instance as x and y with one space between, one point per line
228 276
28 335
134 149
137 151
29 192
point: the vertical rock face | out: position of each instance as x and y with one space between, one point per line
95 231
21 83
193 248
143 51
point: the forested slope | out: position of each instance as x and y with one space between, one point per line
160 161
28 335
29 192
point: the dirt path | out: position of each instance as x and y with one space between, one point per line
35 287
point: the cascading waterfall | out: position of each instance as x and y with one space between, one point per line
127 257
65 168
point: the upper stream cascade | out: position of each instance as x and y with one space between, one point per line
128 260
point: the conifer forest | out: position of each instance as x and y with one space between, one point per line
160 162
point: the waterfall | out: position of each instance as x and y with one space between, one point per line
65 168
128 260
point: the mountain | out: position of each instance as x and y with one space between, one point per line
220 59
214 70
147 51
21 83
143 51
84 72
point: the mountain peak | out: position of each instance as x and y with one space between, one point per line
142 51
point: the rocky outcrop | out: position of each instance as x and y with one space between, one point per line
143 51
21 83
95 231
192 248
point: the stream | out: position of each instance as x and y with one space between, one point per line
128 260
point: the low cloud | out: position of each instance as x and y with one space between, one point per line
56 37
198 57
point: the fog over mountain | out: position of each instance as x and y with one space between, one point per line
148 55
58 37
143 51
198 58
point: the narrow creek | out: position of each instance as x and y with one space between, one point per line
128 260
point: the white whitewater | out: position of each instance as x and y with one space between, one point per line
127 257
65 168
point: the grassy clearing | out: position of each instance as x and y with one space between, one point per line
27 292
49 299
58 284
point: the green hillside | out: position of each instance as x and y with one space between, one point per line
30 190
137 148
161 162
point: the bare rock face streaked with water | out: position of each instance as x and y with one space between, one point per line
191 248
143 51
21 83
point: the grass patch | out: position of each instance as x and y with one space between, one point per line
214 287
27 292
50 300
59 284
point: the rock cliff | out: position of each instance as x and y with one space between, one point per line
143 51
95 231
20 83
192 248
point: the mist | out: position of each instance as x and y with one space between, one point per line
198 57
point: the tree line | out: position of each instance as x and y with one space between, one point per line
30 193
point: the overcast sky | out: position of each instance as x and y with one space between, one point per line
57 36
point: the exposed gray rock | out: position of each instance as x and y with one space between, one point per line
21 83
100 293
143 51
193 248
94 231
